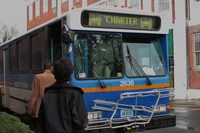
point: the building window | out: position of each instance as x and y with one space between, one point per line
111 2
54 3
30 11
64 1
45 6
102 3
163 5
37 4
197 50
121 3
135 4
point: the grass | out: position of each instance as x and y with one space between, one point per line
12 124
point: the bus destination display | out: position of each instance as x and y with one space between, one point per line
119 20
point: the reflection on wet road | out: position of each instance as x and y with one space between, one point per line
188 114
187 118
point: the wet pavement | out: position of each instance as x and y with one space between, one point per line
187 118
188 114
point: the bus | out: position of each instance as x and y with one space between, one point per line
120 59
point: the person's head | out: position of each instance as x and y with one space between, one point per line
63 70
47 65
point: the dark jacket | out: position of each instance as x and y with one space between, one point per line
63 110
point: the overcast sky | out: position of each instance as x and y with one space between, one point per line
13 13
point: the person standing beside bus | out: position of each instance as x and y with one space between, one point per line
40 82
63 109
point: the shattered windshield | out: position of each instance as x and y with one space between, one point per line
97 56
143 59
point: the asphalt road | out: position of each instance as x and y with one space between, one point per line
187 118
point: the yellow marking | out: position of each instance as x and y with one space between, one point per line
120 88
194 109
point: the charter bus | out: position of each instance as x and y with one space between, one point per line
120 60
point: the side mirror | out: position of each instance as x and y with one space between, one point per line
171 61
66 35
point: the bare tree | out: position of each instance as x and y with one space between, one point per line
7 33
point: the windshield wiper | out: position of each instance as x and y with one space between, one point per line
101 83
132 61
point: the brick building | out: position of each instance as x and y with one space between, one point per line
41 11
193 43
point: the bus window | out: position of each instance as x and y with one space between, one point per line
23 55
97 56
1 60
13 58
143 59
37 50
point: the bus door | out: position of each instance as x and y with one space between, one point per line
5 90
54 41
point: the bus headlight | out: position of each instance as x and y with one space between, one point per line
160 108
94 115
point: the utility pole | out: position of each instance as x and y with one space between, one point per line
58 8
180 54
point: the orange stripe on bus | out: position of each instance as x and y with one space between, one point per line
120 88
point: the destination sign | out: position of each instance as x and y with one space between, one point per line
120 20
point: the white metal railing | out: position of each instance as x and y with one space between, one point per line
133 121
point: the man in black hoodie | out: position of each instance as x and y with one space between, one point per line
63 109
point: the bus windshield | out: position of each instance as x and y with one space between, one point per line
100 56
97 55
143 59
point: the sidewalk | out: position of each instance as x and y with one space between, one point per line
185 101
186 105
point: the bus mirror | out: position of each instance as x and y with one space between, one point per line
67 48
171 61
66 35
